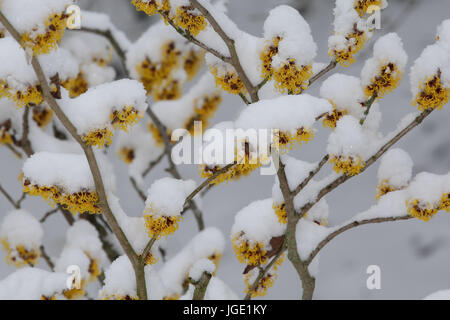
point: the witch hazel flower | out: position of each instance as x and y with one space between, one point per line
347 146
346 96
382 73
253 229
164 205
394 172
45 174
21 236
44 24
427 194
430 77
289 51
10 122
117 105
180 12
350 29
225 75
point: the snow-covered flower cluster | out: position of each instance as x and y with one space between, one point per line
164 205
21 236
289 51
45 174
350 29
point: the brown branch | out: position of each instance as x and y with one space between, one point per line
201 286
25 142
322 72
138 190
192 39
147 249
47 258
152 164
92 161
311 175
14 151
349 226
368 104
229 42
9 198
48 214
110 37
341 179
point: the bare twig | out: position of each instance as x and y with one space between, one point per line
152 164
311 175
349 226
14 151
147 249
138 190
192 39
47 258
201 286
368 104
322 72
48 214
25 142
110 37
9 198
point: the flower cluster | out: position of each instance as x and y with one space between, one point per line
433 94
21 236
82 201
382 73
266 281
348 165
285 141
251 252
362 6
42 115
227 78
159 225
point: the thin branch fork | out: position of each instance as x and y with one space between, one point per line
229 42
99 186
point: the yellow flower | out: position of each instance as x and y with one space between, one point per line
175 296
169 89
385 81
160 225
266 282
98 137
42 115
267 55
150 7
445 202
76 86
31 96
288 140
330 120
75 294
20 256
94 268
251 252
215 258
348 165
383 188
48 298
228 81
43 43
280 211
190 21
193 61
420 210
128 116
126 154
345 57
6 132
361 6
83 201
156 134
150 259
292 78
119 297
204 109
432 95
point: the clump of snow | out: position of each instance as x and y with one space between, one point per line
84 236
258 222
71 255
61 62
19 227
284 113
387 50
167 195
345 92
319 212
201 266
216 290
348 139
31 15
443 34
52 169
395 168
296 39
428 188
308 235
10 118
93 109
32 284
434 58
209 242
